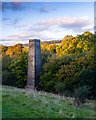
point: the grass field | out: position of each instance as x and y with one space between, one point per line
21 103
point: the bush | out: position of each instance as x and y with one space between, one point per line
62 90
82 93
88 78
60 87
6 61
8 78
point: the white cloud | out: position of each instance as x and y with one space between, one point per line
58 25
67 22
18 36
9 43
39 27
88 27
52 29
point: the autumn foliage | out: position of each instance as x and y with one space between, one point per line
69 63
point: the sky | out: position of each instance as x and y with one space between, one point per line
22 21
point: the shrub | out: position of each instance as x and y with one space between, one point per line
8 78
82 93
88 78
6 61
60 87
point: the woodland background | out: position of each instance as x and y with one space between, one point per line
68 66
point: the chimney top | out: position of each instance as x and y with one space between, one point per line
33 40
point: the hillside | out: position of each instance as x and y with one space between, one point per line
21 103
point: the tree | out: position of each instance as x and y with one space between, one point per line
4 49
53 48
14 51
87 33
45 54
19 68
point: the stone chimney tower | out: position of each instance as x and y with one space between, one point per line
34 64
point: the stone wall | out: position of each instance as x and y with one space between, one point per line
34 63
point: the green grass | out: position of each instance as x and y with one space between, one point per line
21 103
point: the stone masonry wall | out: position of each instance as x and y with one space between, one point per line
34 64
